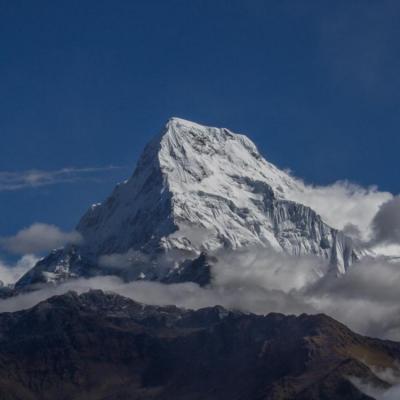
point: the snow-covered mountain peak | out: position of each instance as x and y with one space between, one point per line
195 156
199 188
196 189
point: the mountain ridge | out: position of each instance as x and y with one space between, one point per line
165 353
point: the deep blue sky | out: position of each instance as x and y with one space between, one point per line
315 84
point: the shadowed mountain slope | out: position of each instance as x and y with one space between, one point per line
104 346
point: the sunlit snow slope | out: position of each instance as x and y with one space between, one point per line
200 189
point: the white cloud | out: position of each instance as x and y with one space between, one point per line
39 238
16 180
366 298
186 295
11 273
268 269
344 204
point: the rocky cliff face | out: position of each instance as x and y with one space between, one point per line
198 189
104 346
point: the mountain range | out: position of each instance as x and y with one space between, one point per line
101 346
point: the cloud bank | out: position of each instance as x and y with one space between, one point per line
261 281
39 238
344 205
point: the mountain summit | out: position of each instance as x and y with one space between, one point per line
196 189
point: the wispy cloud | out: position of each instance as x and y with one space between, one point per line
17 180
389 375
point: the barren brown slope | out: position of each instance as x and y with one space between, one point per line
104 346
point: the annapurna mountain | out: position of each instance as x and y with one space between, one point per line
195 190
